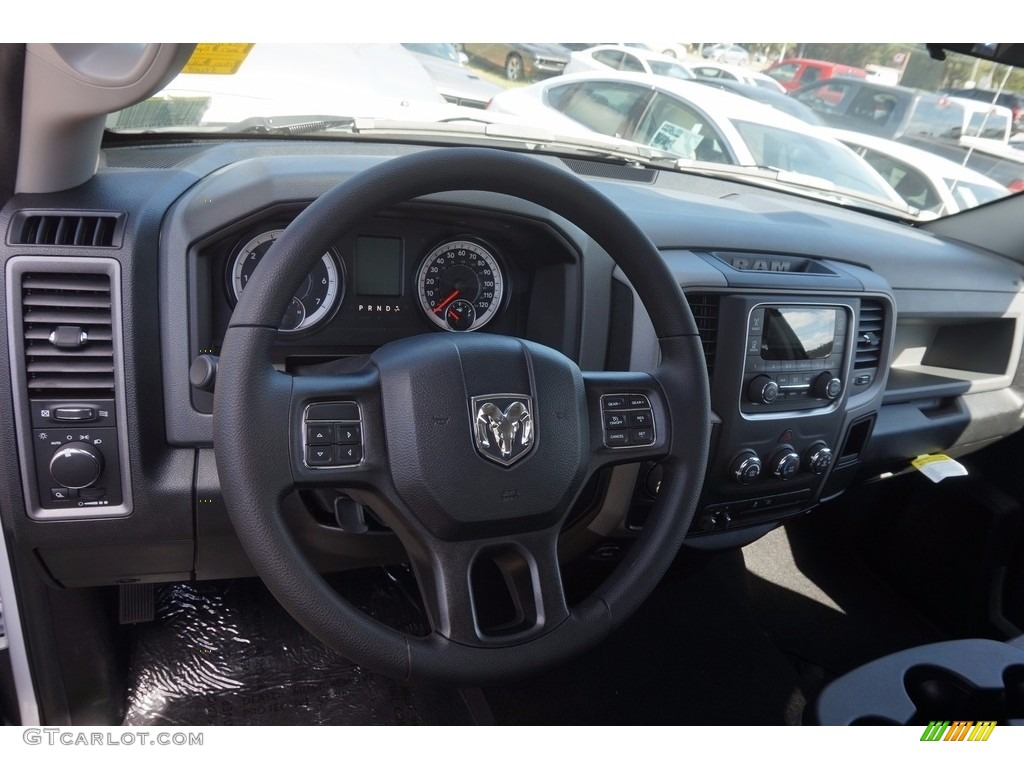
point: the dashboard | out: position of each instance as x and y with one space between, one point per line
835 346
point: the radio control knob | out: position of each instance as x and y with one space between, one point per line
745 468
763 389
784 462
818 458
76 465
826 386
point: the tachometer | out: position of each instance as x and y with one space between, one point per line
315 299
460 285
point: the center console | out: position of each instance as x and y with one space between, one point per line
795 360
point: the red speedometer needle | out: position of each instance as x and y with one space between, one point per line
451 297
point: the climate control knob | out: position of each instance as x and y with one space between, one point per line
826 386
76 465
763 389
784 462
745 468
818 458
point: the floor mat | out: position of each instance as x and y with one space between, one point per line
225 653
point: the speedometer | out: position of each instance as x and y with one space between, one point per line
313 302
460 285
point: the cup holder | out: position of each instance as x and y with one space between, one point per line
941 694
957 680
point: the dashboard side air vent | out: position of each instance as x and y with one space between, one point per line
66 325
91 230
705 311
870 332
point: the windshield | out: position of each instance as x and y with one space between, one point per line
542 94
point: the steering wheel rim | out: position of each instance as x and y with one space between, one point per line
259 442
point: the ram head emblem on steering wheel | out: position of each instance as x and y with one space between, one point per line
504 436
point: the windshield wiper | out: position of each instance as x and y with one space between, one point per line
291 125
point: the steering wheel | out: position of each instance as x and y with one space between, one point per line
472 447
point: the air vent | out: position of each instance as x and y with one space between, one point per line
67 332
870 331
705 312
67 229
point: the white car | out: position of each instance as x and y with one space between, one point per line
602 58
924 180
696 123
730 53
720 71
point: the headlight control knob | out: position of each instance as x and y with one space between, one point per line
76 465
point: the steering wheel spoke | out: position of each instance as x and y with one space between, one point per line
492 592
629 417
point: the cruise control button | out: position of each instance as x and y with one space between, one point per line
617 437
615 420
641 436
640 419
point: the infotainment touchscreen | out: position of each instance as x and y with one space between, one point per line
798 333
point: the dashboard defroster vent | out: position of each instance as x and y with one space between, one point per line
705 311
870 332
99 230
67 335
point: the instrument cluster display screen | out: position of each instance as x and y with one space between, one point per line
798 333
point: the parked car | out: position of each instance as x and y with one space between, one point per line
344 420
889 111
728 53
797 73
737 74
923 179
985 120
453 81
1009 99
625 59
520 61
695 122
933 122
778 99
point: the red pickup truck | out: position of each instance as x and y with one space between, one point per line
796 73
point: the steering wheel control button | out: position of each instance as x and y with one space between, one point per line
628 420
348 434
617 437
334 435
349 455
320 455
615 420
641 419
319 434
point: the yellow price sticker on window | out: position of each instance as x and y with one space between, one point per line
217 58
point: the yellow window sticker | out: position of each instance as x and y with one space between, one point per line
217 58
